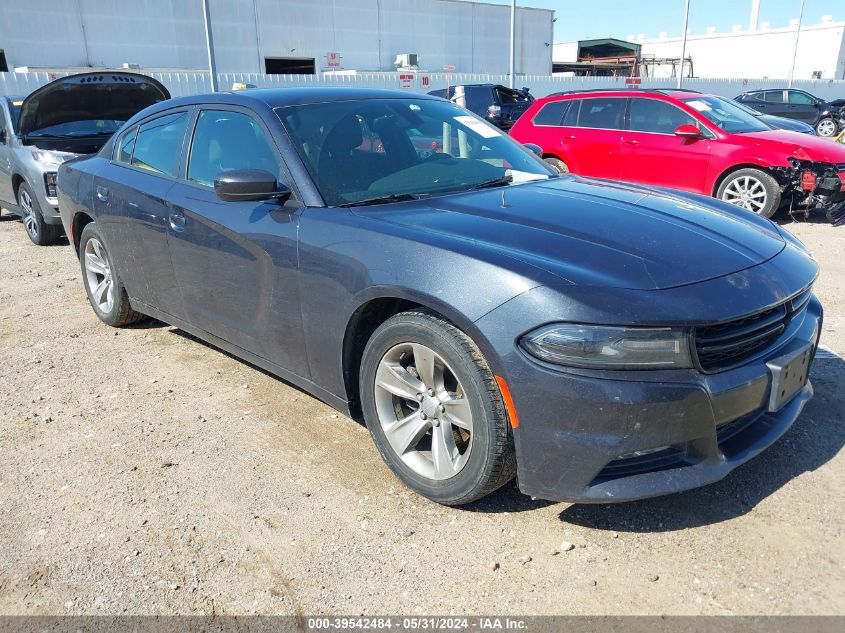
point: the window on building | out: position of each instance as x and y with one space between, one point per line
289 66
659 117
158 142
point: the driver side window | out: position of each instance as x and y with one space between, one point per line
225 140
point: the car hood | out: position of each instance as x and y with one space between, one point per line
800 146
89 96
594 232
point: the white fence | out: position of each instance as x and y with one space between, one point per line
188 83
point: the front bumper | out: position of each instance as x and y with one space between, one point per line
604 437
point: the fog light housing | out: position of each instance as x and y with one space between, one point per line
50 183
609 347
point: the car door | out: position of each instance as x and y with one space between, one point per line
130 202
6 192
591 136
651 152
775 103
802 106
236 262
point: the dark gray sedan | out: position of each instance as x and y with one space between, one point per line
404 261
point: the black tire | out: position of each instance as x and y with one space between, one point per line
39 232
737 180
558 164
827 127
120 313
491 462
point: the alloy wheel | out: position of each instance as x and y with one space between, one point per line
29 221
423 411
826 127
747 192
98 275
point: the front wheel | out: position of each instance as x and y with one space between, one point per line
434 409
39 232
826 127
751 189
105 290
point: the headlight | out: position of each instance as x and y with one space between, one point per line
42 156
606 347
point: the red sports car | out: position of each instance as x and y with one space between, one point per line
689 141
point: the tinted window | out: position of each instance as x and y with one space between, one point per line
651 115
800 98
126 144
424 148
508 96
726 114
478 98
774 96
570 119
552 113
228 140
601 113
158 142
754 96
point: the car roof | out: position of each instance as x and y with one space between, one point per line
278 97
672 93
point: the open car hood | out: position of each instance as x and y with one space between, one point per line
89 96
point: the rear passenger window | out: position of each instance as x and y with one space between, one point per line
570 119
158 142
774 96
552 113
125 145
659 117
605 114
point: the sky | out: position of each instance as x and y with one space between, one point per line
581 20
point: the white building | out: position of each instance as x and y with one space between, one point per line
275 36
746 53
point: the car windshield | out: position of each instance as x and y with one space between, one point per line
94 127
726 114
383 149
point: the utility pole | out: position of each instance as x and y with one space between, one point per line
513 42
795 48
684 44
209 44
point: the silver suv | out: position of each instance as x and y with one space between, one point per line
68 117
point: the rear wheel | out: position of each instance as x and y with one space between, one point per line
37 229
826 127
558 164
105 290
434 409
751 189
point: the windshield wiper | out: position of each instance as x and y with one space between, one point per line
496 182
394 197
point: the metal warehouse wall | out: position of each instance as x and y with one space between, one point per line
368 34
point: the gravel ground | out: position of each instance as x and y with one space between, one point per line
145 472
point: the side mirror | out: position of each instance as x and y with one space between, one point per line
242 185
687 130
534 148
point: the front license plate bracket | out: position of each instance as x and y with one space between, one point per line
789 375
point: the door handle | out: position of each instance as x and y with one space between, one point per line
632 141
102 194
177 221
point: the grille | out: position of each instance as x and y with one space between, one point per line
725 345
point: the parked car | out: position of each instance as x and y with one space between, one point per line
798 105
689 141
68 117
487 317
500 105
776 122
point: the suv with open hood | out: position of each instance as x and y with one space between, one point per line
68 117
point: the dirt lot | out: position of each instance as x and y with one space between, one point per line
145 472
